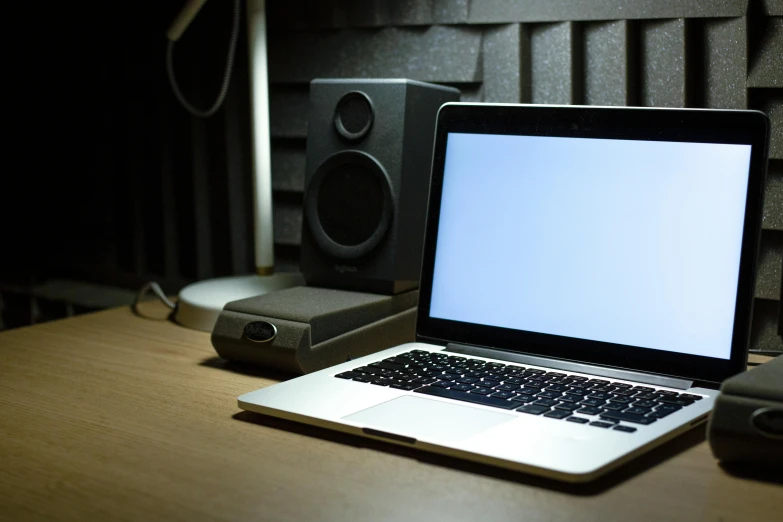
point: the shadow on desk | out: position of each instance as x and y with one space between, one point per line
246 369
625 472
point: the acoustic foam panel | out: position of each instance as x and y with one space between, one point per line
505 59
725 63
500 11
773 198
553 60
444 54
767 63
663 63
608 52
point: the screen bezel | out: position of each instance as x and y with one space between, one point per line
681 125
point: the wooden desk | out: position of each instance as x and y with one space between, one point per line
113 417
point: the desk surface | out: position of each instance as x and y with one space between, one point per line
112 417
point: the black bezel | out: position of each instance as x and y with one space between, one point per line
685 125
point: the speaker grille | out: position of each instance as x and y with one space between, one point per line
350 204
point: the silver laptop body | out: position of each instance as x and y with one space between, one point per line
587 283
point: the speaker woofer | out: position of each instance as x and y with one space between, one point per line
354 115
348 204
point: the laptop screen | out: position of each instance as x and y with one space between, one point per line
621 241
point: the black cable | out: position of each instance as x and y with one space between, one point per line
226 74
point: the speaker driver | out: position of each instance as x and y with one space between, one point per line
349 204
354 115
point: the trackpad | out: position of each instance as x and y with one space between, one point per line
428 419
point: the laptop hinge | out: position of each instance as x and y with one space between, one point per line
571 366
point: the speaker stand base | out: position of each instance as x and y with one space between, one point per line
199 304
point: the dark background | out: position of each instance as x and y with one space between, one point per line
109 183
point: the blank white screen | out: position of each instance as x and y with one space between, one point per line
629 242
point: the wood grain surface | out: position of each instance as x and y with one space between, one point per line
110 416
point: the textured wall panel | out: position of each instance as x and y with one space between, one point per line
288 222
766 68
773 106
450 11
607 52
773 200
288 165
726 63
770 269
505 59
288 111
500 11
438 53
663 64
411 12
553 63
764 332
773 7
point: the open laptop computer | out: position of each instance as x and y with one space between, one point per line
587 283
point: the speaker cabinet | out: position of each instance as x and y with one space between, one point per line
369 156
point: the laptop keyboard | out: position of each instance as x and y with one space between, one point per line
601 403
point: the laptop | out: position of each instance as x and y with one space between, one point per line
587 283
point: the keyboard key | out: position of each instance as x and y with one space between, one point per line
600 424
576 392
468 380
488 383
667 393
592 402
381 381
644 404
503 394
530 390
525 398
462 387
638 411
644 396
362 378
348 375
424 380
627 417
506 387
598 381
625 392
387 365
626 429
549 394
514 380
556 387
442 384
691 397
601 388
569 398
557 414
533 409
480 391
578 420
613 406
404 386
546 402
600 395
668 407
621 385
676 401
579 378
589 410
468 397
621 400
567 407
660 414
642 388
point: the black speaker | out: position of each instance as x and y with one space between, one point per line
369 157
